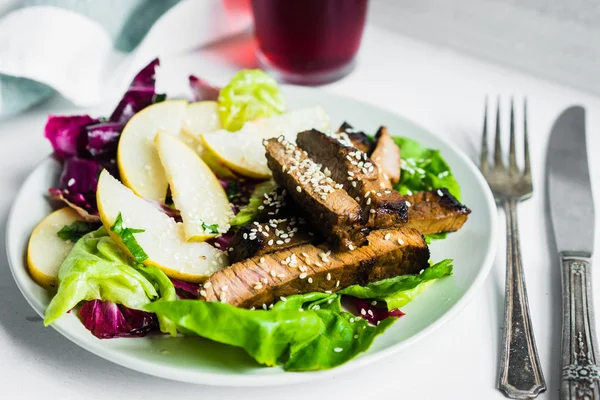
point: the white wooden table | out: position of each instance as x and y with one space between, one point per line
439 89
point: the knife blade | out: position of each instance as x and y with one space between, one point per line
572 214
569 187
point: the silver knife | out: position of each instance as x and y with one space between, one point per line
572 213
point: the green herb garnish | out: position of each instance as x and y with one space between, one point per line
126 235
77 230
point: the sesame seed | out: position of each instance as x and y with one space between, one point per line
270 306
281 275
310 280
207 285
282 299
370 312
203 293
258 286
374 303
355 337
270 242
400 241
273 273
303 275
280 242
408 204
71 182
372 211
353 184
350 246
328 276
298 189
440 193
387 236
367 194
338 349
262 260
245 236
253 308
265 281
363 312
224 288
369 201
264 306
301 309
351 320
337 284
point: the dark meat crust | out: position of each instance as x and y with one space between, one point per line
264 280
382 208
358 138
336 215
431 212
257 239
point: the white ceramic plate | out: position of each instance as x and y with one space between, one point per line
197 360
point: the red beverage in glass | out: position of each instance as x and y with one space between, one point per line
308 41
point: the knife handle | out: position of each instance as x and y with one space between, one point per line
520 375
580 376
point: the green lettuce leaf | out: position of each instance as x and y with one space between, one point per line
96 269
166 291
435 236
423 169
400 290
250 212
76 230
126 235
303 333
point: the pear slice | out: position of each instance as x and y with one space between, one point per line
46 251
243 151
137 158
203 118
197 193
163 239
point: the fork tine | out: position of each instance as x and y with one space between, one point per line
484 165
497 146
511 155
527 171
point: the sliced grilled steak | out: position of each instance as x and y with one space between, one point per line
264 280
349 136
386 156
336 215
382 208
435 212
274 205
256 239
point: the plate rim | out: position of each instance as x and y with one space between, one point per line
250 380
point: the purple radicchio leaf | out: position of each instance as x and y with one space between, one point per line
141 94
222 242
107 320
372 311
186 290
202 90
67 134
103 139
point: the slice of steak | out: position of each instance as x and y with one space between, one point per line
351 137
263 280
382 208
336 215
436 211
386 156
256 239
274 205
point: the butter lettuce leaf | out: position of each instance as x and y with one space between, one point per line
96 269
303 333
423 169
400 290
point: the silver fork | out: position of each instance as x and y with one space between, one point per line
520 374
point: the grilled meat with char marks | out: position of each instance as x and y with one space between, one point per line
256 239
436 211
386 155
382 208
349 136
263 280
336 215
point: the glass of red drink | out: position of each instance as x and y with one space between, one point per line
308 42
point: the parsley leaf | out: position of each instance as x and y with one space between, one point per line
77 230
213 228
126 235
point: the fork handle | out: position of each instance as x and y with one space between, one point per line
580 376
520 375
